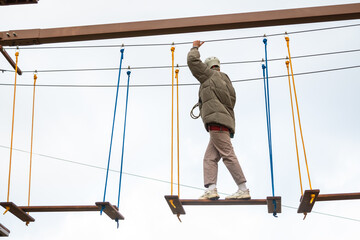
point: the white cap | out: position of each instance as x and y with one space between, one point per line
212 61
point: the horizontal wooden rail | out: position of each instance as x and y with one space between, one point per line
22 211
16 2
181 25
176 204
85 208
338 196
223 202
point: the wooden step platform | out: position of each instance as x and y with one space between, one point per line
306 204
22 212
111 210
17 211
308 200
176 204
274 207
4 232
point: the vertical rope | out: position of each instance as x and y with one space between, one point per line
112 130
32 134
297 108
172 118
12 125
267 104
268 125
178 126
293 118
123 144
268 121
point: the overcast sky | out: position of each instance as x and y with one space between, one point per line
73 125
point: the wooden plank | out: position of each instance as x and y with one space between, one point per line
4 232
83 208
175 204
338 196
181 25
18 212
223 202
305 202
271 205
111 210
15 2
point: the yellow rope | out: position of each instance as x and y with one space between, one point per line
172 118
32 134
6 210
297 108
178 145
12 124
293 118
172 203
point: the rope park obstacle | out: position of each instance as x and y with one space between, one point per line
274 205
309 197
22 212
175 203
172 200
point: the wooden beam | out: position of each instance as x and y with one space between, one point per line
16 2
308 200
181 25
175 204
338 196
21 211
4 232
9 59
111 210
17 211
223 202
274 204
84 208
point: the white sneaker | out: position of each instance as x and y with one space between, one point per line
239 195
210 194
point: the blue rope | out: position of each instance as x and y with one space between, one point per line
268 122
123 144
112 130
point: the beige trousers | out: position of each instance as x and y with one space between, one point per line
220 147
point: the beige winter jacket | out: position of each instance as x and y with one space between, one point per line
216 94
